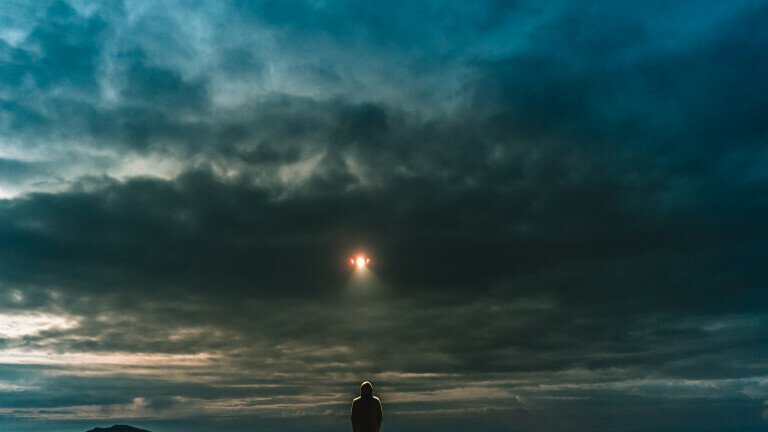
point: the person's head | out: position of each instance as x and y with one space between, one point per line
366 390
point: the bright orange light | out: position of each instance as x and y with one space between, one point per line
360 261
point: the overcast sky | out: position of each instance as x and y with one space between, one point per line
564 201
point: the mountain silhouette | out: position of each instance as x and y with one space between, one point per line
118 428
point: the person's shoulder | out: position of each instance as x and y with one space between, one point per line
355 400
377 399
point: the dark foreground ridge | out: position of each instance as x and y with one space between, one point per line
118 428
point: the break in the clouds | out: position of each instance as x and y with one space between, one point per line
564 202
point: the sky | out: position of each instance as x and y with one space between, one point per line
563 201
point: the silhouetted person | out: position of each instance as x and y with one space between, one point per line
366 410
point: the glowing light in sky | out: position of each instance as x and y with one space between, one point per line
360 261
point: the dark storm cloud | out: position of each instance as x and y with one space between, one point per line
562 202
100 243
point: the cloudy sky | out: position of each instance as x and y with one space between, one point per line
565 203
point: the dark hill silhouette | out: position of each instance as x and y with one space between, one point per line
118 428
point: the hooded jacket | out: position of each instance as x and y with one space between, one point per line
366 410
